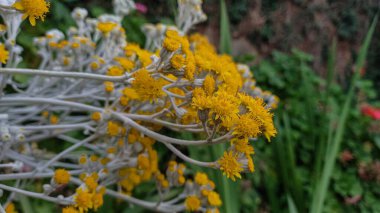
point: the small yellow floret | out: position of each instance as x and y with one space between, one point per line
177 61
147 87
108 86
53 119
214 199
91 183
61 176
106 27
4 54
10 208
115 71
97 200
230 165
209 85
113 129
201 178
70 209
83 159
192 203
96 116
83 200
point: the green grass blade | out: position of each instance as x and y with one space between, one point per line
225 33
326 132
319 197
26 206
295 186
291 205
330 68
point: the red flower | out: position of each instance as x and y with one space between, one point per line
370 111
142 8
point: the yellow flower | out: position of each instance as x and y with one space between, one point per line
130 93
256 110
83 200
171 44
224 105
127 64
115 71
113 128
108 86
214 210
34 9
177 61
97 200
190 66
94 65
91 183
106 27
181 180
94 158
251 166
243 146
53 119
230 166
131 49
147 88
70 209
61 176
246 127
192 203
214 199
201 178
3 28
111 150
209 85
269 129
45 114
82 159
96 116
143 162
4 54
200 101
10 208
172 41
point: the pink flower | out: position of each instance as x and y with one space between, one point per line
352 200
370 111
142 8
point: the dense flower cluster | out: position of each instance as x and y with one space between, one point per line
114 101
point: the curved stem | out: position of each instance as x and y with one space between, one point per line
71 74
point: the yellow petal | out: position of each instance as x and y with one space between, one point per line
24 16
32 20
18 6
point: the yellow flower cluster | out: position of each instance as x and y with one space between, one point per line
88 196
224 105
146 166
135 97
204 195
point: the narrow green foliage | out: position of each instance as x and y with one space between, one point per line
225 33
320 195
